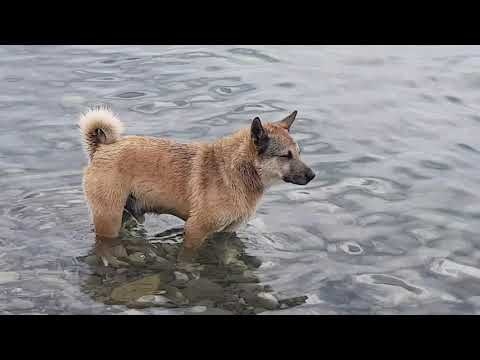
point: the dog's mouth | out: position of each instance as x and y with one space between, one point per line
299 180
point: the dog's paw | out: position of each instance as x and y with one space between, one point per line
186 261
186 255
110 252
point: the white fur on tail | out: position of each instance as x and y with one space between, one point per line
99 126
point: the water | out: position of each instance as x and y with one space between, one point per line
390 225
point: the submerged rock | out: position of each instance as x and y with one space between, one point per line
252 288
179 276
196 309
136 289
267 301
253 261
190 267
259 310
151 300
268 288
247 293
93 281
170 250
175 296
245 277
242 301
215 311
230 256
159 263
291 302
207 303
92 260
132 312
114 262
137 258
236 307
237 267
133 248
203 289
181 279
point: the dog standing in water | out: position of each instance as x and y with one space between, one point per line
213 187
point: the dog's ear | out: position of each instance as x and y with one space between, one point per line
288 121
259 135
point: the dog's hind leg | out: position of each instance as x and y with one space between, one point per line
107 225
107 200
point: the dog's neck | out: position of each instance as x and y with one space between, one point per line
239 154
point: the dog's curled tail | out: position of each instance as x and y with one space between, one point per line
99 126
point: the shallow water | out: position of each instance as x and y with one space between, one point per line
390 225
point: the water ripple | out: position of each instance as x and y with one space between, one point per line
252 53
157 106
446 267
128 95
380 279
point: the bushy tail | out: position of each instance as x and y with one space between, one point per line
99 126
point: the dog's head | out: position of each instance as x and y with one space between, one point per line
278 155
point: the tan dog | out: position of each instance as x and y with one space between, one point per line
214 187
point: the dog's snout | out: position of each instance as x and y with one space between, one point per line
310 175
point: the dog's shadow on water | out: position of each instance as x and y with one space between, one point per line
143 272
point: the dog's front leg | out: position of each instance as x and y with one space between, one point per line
196 232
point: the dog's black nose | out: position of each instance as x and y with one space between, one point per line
310 175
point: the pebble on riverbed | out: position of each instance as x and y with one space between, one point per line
136 289
245 277
267 301
201 289
181 279
151 300
137 258
91 260
159 263
292 302
213 311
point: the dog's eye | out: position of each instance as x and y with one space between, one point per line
287 156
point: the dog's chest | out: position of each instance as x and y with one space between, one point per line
236 224
240 214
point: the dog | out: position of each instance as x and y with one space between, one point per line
214 187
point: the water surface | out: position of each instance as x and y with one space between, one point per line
390 225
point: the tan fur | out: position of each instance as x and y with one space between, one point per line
213 187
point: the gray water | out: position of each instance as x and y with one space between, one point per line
390 225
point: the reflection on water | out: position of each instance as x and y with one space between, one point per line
390 224
143 272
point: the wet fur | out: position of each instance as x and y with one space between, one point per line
212 186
